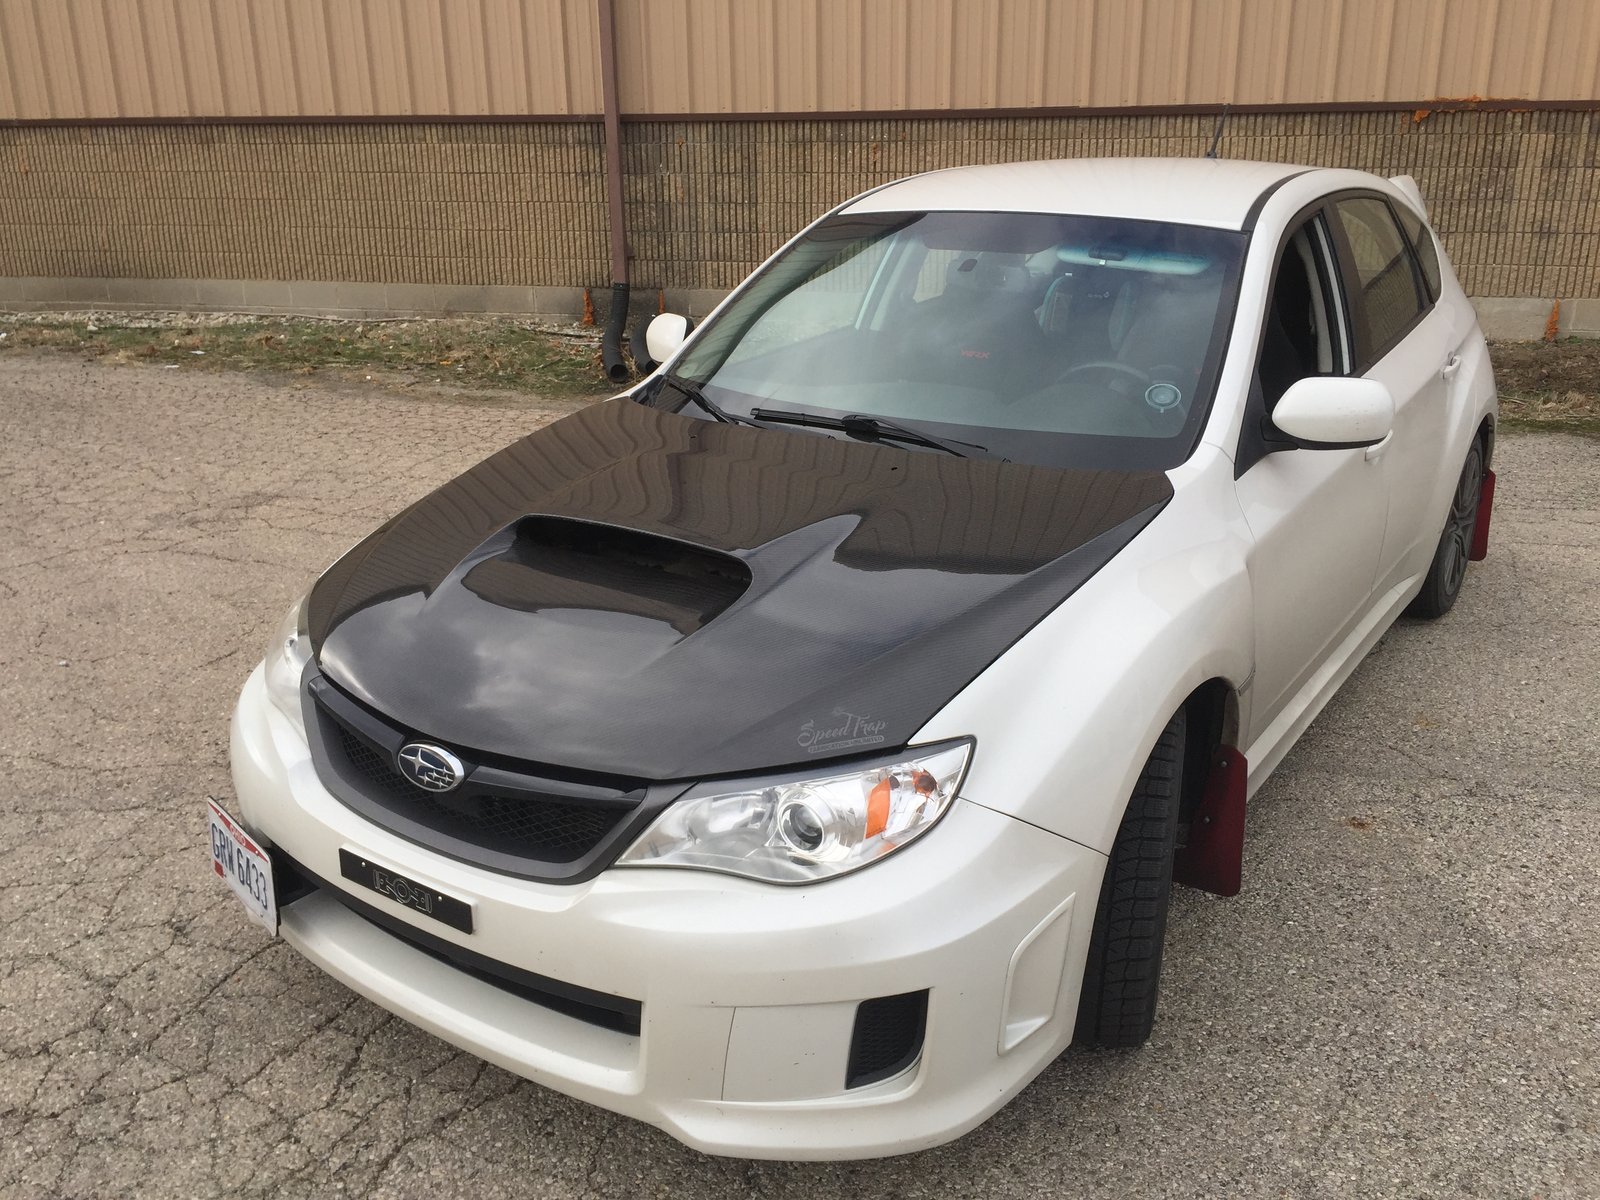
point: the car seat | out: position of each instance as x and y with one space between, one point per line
1083 311
1169 326
982 330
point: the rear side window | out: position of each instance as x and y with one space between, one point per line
1389 303
1427 252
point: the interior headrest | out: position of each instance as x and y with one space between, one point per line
988 271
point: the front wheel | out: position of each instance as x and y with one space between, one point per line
1123 972
1449 566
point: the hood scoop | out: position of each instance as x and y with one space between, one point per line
542 563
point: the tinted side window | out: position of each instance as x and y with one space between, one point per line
1427 252
1389 300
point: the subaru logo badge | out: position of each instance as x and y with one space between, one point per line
430 767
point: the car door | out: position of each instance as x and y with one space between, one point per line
1407 342
1316 516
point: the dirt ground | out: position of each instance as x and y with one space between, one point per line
1405 1001
1549 384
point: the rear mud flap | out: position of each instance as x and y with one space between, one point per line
1480 528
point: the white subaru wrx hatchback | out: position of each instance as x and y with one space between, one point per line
797 752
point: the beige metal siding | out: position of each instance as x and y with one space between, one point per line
99 59
473 58
801 56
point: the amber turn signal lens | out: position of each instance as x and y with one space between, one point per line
878 807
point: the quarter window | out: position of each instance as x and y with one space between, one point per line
1390 303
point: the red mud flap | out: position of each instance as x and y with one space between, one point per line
1480 529
1213 861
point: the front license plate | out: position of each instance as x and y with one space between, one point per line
245 866
418 897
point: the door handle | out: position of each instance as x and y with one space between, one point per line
1451 366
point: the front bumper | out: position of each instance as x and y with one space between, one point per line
749 991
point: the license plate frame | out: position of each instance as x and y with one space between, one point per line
243 865
409 893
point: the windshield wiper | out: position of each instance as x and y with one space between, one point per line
695 392
856 424
861 425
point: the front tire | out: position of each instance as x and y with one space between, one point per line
1123 974
1449 566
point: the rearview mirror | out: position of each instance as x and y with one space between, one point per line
1325 412
665 334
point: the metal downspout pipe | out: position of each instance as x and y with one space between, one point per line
611 341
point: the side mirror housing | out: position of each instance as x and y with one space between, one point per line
1325 412
665 334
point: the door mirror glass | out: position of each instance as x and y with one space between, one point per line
1333 412
665 334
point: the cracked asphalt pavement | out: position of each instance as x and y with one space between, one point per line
1405 1000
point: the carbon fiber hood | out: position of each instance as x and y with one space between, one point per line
643 593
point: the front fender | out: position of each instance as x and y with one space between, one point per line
1067 716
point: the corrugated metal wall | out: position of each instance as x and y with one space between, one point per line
804 56
99 59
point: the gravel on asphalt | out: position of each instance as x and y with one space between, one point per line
1405 1000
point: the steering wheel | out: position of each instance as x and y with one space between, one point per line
1104 364
1153 420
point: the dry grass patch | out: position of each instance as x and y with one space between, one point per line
478 353
1549 385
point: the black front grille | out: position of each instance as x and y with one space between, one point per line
503 816
887 1037
547 830
373 766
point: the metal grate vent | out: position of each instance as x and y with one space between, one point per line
887 1037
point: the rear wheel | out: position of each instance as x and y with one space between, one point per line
1449 566
1123 972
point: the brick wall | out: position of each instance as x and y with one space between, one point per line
439 204
484 216
1515 196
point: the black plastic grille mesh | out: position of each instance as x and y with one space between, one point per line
887 1037
528 827
374 768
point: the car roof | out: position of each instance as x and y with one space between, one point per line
1218 192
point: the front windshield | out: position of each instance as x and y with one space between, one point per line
1063 340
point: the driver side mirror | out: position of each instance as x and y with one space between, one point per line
1325 412
665 334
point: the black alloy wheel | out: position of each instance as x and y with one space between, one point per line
1449 567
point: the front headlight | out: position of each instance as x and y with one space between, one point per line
801 829
287 656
